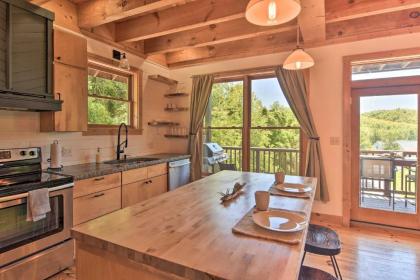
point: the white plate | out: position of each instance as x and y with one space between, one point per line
279 220
293 188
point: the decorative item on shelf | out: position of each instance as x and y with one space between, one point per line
176 94
174 108
231 194
162 79
272 12
177 132
298 59
162 123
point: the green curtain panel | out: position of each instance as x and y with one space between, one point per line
200 94
293 86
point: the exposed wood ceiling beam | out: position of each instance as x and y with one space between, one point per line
234 30
312 20
341 10
192 15
377 23
381 25
237 49
97 12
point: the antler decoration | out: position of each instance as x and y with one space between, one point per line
231 194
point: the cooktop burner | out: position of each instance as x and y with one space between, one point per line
20 172
21 184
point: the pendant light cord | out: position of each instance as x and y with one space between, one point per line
297 36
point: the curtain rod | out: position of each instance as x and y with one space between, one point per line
241 72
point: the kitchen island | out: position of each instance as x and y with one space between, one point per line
187 234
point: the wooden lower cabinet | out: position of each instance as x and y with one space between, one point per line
94 205
142 190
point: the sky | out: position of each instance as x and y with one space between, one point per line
268 91
389 102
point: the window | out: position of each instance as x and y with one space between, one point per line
254 125
391 68
109 97
114 97
224 119
275 131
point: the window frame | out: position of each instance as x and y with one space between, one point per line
246 76
135 90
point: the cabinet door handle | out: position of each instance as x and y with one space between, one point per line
98 195
58 57
99 179
59 95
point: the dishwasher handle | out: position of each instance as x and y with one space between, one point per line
179 163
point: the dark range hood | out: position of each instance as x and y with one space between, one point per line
21 102
26 49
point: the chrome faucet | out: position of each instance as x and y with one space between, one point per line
120 149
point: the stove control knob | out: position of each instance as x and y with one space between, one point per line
31 153
23 153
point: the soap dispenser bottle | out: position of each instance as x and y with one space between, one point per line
98 155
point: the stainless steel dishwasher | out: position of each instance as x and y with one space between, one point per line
179 173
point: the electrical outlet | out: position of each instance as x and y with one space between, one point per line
66 152
334 141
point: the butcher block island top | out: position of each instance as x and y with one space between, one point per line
187 234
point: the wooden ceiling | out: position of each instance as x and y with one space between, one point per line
181 33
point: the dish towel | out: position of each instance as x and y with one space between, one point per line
38 205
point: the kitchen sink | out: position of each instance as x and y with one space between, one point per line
130 160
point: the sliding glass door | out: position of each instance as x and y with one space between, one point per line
385 125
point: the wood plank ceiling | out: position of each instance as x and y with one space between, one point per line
182 33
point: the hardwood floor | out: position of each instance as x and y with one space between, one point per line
367 254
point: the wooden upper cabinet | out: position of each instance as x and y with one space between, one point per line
70 84
70 49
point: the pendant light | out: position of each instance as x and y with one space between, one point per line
298 59
272 12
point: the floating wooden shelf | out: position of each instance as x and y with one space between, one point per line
176 94
176 136
180 109
163 123
162 79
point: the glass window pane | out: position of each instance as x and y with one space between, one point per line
269 106
388 152
230 140
274 150
108 112
101 83
386 69
225 107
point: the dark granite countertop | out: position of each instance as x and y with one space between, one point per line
90 170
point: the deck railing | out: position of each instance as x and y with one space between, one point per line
267 160
405 167
271 160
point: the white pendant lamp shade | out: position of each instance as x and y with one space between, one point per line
297 60
272 12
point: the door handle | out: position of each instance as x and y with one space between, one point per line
98 195
99 179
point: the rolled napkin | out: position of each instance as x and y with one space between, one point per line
38 205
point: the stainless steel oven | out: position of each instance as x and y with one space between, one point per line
20 238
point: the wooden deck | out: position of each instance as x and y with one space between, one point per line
383 203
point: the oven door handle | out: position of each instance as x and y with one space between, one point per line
24 195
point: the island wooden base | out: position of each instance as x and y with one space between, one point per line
97 264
